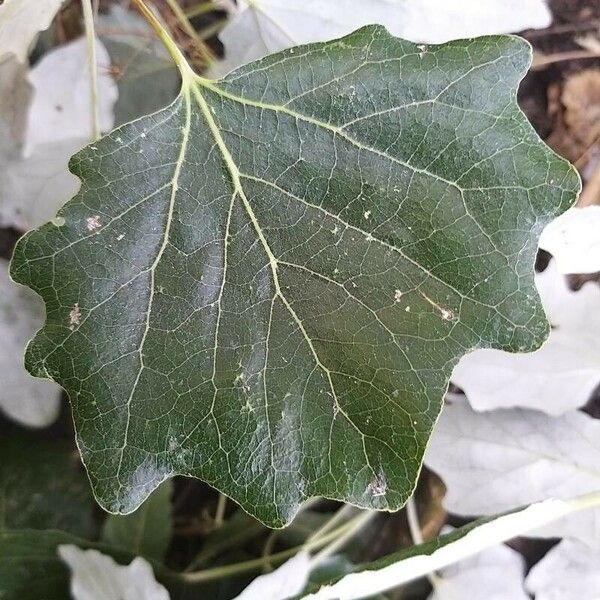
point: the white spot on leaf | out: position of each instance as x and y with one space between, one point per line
378 486
93 223
75 317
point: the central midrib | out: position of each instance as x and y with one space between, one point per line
239 190
208 84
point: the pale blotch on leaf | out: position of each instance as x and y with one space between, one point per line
445 313
75 317
93 223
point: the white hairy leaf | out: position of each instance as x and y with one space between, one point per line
494 461
285 582
494 574
21 21
25 399
574 240
260 27
35 183
98 577
570 571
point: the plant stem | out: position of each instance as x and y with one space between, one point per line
258 563
541 62
182 64
220 513
274 535
88 19
237 538
353 527
338 516
203 51
412 516
200 9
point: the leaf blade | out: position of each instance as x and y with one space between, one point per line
283 348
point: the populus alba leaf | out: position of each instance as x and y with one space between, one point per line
259 27
96 576
570 571
266 285
497 573
573 240
21 21
494 461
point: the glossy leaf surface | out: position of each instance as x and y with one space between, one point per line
266 284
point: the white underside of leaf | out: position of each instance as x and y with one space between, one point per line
27 400
570 571
367 583
435 22
98 577
557 378
61 106
492 462
574 240
285 582
262 27
494 574
35 185
21 21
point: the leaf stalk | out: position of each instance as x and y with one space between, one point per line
90 34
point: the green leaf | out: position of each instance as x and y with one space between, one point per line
30 567
43 486
148 530
267 284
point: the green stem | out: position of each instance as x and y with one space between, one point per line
258 563
274 535
182 64
338 516
412 516
353 527
236 539
200 9
220 513
201 47
88 19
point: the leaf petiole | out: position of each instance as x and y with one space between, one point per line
279 557
180 60
88 18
